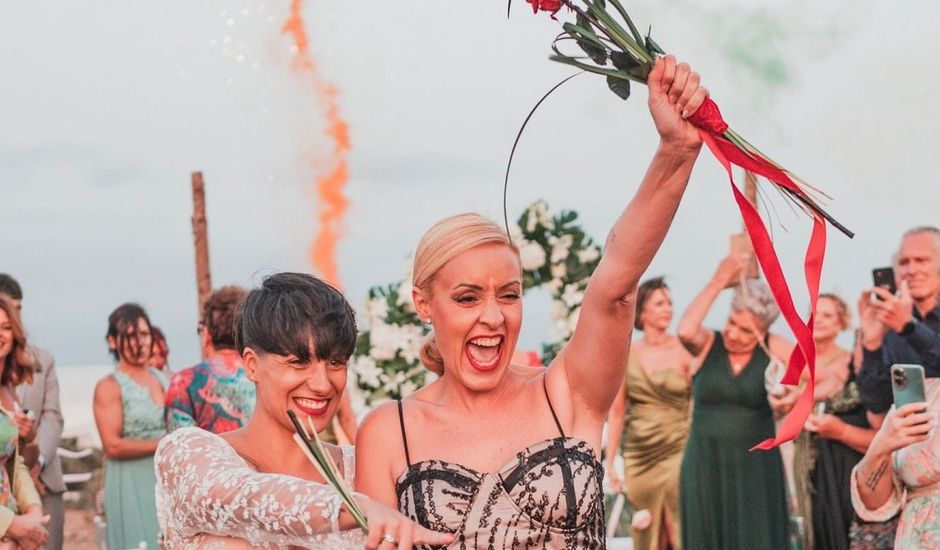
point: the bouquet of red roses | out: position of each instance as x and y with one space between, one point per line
609 44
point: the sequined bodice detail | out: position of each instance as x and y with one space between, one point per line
548 496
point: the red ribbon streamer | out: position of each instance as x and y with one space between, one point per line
712 127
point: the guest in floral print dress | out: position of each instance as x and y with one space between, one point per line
900 473
128 408
215 395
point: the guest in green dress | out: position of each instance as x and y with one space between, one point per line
128 408
732 498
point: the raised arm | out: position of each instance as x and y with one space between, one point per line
593 363
874 382
695 337
109 417
897 313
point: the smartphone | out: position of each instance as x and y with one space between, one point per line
884 277
907 383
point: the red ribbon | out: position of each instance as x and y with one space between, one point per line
712 127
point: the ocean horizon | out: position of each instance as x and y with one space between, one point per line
76 394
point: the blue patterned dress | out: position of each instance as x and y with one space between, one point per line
129 485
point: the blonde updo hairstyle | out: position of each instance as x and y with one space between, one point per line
446 240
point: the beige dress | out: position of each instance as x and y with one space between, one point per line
549 496
654 439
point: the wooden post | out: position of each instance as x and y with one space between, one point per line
750 187
201 240
740 243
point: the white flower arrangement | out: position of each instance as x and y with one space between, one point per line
572 257
386 364
555 253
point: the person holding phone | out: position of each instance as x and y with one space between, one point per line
900 473
902 328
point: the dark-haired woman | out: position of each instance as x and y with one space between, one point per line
21 519
128 408
160 354
254 487
657 392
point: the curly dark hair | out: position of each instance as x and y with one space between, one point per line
218 315
122 318
18 365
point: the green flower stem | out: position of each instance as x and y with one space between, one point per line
561 58
750 147
625 41
320 458
620 39
626 17
587 34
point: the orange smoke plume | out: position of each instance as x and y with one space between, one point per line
333 204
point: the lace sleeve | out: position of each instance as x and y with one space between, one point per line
886 511
203 486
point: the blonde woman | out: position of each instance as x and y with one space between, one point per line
505 455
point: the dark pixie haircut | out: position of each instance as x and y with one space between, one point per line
126 315
291 311
10 287
643 295
218 315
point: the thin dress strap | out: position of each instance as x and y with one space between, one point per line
554 416
404 438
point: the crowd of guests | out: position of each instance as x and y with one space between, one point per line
492 454
866 475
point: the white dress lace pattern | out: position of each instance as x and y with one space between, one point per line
208 497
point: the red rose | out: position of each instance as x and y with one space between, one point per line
545 5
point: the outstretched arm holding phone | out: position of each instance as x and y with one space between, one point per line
891 333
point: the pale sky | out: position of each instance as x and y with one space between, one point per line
106 107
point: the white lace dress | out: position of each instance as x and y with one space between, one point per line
208 497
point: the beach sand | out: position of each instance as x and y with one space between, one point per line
80 530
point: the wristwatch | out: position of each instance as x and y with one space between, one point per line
908 328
